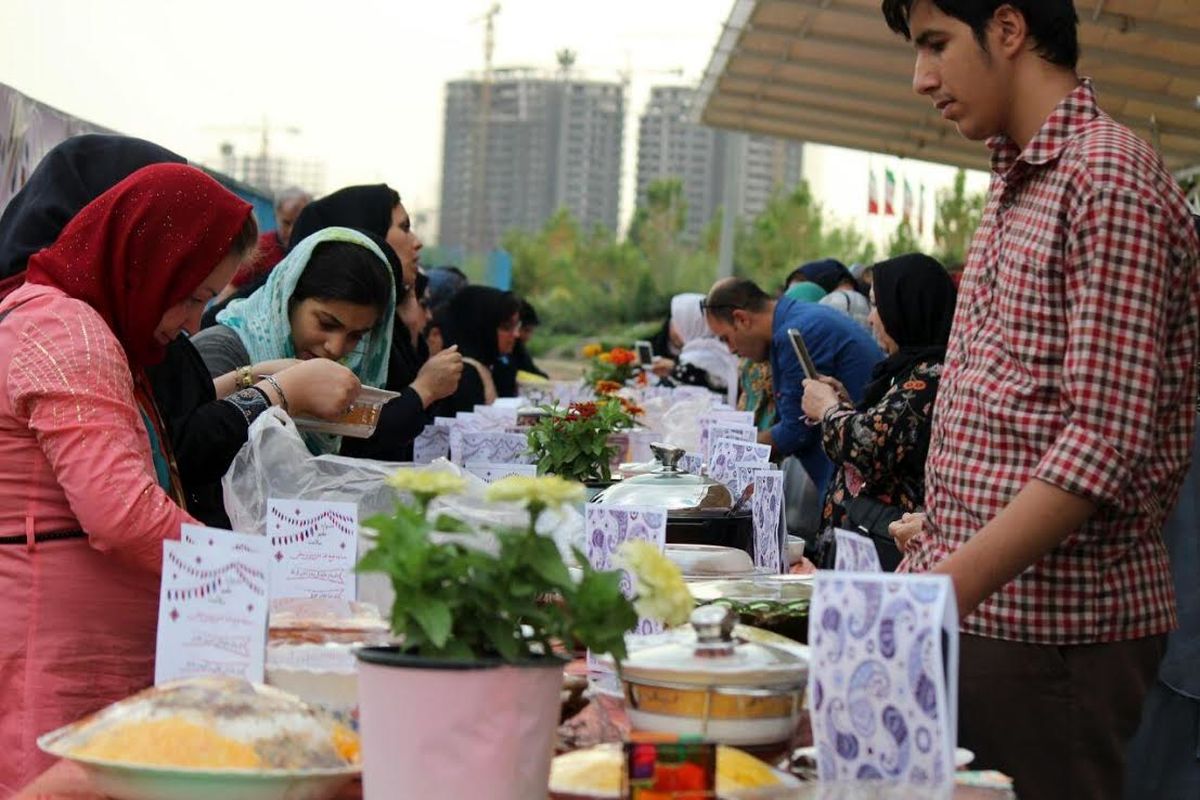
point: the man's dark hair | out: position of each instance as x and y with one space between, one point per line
735 294
1053 24
529 315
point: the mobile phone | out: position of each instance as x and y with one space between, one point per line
645 352
810 369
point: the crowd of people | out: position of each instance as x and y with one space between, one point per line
1026 433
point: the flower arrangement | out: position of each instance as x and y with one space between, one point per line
573 443
455 601
609 366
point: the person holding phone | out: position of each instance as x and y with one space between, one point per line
753 325
879 445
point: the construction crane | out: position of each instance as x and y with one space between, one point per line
264 135
479 215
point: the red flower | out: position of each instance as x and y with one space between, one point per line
607 387
621 357
583 410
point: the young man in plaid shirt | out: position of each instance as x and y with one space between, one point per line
1064 420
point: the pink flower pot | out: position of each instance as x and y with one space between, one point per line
482 730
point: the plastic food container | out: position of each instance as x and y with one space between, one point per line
359 422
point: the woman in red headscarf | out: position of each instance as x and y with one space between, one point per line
87 489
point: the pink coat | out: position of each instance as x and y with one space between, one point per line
79 616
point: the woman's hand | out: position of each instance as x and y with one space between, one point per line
317 388
439 376
905 530
836 385
819 397
803 567
662 366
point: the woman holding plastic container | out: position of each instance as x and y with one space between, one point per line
87 492
331 298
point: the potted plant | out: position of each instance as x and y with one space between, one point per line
467 704
576 443
617 365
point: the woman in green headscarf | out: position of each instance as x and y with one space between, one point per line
332 297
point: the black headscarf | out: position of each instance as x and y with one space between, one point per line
74 173
828 273
472 319
915 300
364 208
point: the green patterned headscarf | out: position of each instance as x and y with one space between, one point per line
263 324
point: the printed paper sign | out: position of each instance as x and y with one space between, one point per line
607 528
745 475
718 418
692 463
463 423
495 448
212 612
727 430
432 443
314 546
855 553
496 417
883 682
201 536
728 453
490 473
767 511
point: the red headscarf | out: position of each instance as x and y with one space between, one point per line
142 247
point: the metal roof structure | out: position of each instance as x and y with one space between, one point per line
831 72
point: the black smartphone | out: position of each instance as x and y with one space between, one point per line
810 369
645 352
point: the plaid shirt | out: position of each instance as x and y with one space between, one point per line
1072 362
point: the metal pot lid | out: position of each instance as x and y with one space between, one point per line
669 487
716 658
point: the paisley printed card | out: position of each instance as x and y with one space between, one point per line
883 682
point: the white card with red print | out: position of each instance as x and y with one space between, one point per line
212 612
855 553
314 547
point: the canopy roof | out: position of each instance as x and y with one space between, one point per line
830 71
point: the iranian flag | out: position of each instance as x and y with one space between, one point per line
909 199
889 192
872 192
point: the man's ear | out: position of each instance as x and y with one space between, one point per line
1008 33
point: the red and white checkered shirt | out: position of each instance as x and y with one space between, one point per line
1072 362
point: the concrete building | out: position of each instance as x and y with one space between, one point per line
546 142
671 144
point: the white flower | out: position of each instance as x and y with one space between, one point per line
547 491
427 482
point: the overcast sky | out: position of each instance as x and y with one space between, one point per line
362 80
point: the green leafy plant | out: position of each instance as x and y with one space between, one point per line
462 602
573 443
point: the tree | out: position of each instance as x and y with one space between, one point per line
958 216
903 241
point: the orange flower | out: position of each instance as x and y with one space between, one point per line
607 387
583 410
622 357
631 408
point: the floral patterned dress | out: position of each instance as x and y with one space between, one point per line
880 452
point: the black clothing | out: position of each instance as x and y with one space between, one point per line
206 433
915 299
74 173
